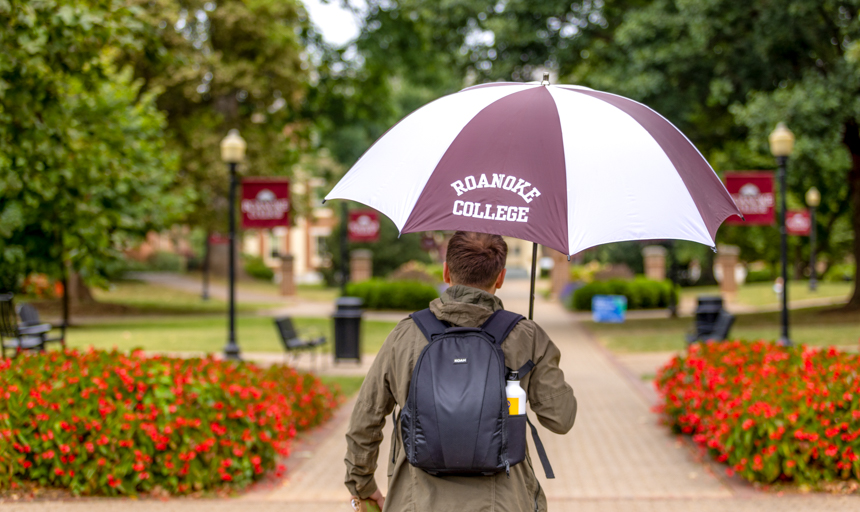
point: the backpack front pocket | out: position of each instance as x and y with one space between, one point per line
516 439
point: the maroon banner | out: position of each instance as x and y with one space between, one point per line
754 194
363 226
798 222
265 202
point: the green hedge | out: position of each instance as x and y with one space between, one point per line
764 275
403 295
257 268
164 261
641 293
840 273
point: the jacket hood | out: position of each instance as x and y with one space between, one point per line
465 306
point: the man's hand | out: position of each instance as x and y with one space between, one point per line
378 498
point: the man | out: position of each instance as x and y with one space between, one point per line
475 269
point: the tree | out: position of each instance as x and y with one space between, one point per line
723 72
221 65
727 72
83 166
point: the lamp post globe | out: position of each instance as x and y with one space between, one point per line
233 147
781 142
813 199
232 152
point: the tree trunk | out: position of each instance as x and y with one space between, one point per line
79 292
707 270
206 257
851 139
66 312
799 263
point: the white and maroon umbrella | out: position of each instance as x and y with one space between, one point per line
563 166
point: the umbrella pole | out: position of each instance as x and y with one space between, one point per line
532 294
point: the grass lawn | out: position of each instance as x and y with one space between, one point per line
209 333
154 298
349 384
315 292
813 326
760 294
129 298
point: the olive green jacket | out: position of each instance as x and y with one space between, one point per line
387 384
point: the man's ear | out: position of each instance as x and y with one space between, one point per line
501 279
446 274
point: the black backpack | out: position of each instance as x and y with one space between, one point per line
455 420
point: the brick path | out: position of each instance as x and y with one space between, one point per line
617 457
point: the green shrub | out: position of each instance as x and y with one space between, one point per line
840 273
257 268
641 293
108 423
403 295
164 261
760 276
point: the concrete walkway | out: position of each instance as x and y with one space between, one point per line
617 457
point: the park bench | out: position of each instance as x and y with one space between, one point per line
15 337
293 344
30 318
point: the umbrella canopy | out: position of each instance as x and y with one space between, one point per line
564 166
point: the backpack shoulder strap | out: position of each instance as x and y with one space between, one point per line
544 460
428 323
523 370
500 324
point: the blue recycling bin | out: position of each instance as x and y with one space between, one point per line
608 308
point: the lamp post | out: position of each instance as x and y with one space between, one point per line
232 152
813 199
344 247
781 144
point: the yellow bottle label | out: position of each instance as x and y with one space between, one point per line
513 406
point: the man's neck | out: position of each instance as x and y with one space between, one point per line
491 290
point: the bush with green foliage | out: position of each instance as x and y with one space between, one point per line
164 261
760 276
403 295
840 273
641 293
257 268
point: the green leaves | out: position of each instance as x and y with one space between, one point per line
84 170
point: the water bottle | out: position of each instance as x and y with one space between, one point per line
516 395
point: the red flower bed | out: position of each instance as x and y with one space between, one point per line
108 423
769 412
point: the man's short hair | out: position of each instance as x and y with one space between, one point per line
476 259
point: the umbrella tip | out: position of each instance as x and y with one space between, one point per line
545 80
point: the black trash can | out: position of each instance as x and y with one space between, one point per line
347 329
707 311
